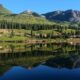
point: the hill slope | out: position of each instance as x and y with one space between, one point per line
25 18
3 10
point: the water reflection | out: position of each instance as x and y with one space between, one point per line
34 57
71 62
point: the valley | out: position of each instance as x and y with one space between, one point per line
32 27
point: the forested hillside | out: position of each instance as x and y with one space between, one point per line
29 24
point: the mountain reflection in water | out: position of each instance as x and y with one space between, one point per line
39 61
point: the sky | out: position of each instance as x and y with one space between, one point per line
40 6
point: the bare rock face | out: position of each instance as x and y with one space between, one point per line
68 15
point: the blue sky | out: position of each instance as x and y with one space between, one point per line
40 6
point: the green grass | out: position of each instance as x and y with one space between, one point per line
69 31
46 32
12 38
19 35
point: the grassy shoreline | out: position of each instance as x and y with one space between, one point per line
37 36
34 40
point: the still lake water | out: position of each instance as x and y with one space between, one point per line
39 62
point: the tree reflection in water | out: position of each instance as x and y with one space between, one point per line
32 55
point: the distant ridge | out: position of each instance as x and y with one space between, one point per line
68 15
29 12
59 15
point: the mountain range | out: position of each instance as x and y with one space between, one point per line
68 15
59 15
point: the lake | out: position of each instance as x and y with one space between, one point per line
39 61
